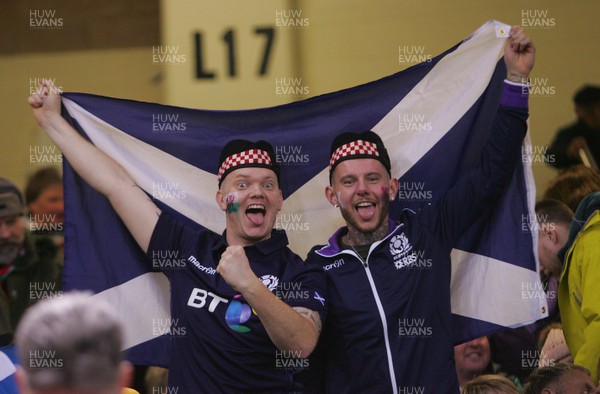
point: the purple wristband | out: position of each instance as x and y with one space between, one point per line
515 95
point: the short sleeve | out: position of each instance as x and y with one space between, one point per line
304 285
171 241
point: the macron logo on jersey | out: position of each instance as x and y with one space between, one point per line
208 270
336 264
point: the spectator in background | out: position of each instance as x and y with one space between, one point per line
554 220
71 345
579 293
29 268
474 358
490 384
553 346
471 359
44 197
571 185
583 134
560 379
516 350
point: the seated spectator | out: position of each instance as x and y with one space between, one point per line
44 197
553 346
473 358
29 266
571 185
560 379
71 345
490 384
583 134
579 293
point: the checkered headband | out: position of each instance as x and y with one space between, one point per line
358 147
242 153
363 145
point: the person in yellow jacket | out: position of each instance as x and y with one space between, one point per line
579 289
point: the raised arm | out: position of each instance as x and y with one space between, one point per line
479 188
104 174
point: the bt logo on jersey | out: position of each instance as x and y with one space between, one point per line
237 312
198 299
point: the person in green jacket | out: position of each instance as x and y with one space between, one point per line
579 290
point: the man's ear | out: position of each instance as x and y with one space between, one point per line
331 196
393 188
280 202
221 200
553 236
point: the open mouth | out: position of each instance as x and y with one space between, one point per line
256 214
365 210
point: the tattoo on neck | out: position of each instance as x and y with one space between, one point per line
355 237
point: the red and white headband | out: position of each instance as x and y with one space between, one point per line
358 147
251 156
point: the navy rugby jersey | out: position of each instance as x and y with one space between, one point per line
388 327
218 344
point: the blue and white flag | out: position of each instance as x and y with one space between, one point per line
432 117
8 367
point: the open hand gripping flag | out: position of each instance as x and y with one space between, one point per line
433 118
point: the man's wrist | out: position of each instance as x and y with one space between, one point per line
250 286
517 78
515 95
49 119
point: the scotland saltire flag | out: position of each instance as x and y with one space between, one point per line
433 118
8 367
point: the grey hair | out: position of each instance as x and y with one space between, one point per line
72 342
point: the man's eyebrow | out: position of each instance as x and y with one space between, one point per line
247 176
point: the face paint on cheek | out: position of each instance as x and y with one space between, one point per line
385 196
232 202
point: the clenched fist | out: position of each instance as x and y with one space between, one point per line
235 269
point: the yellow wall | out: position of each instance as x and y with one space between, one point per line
247 89
343 43
127 73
